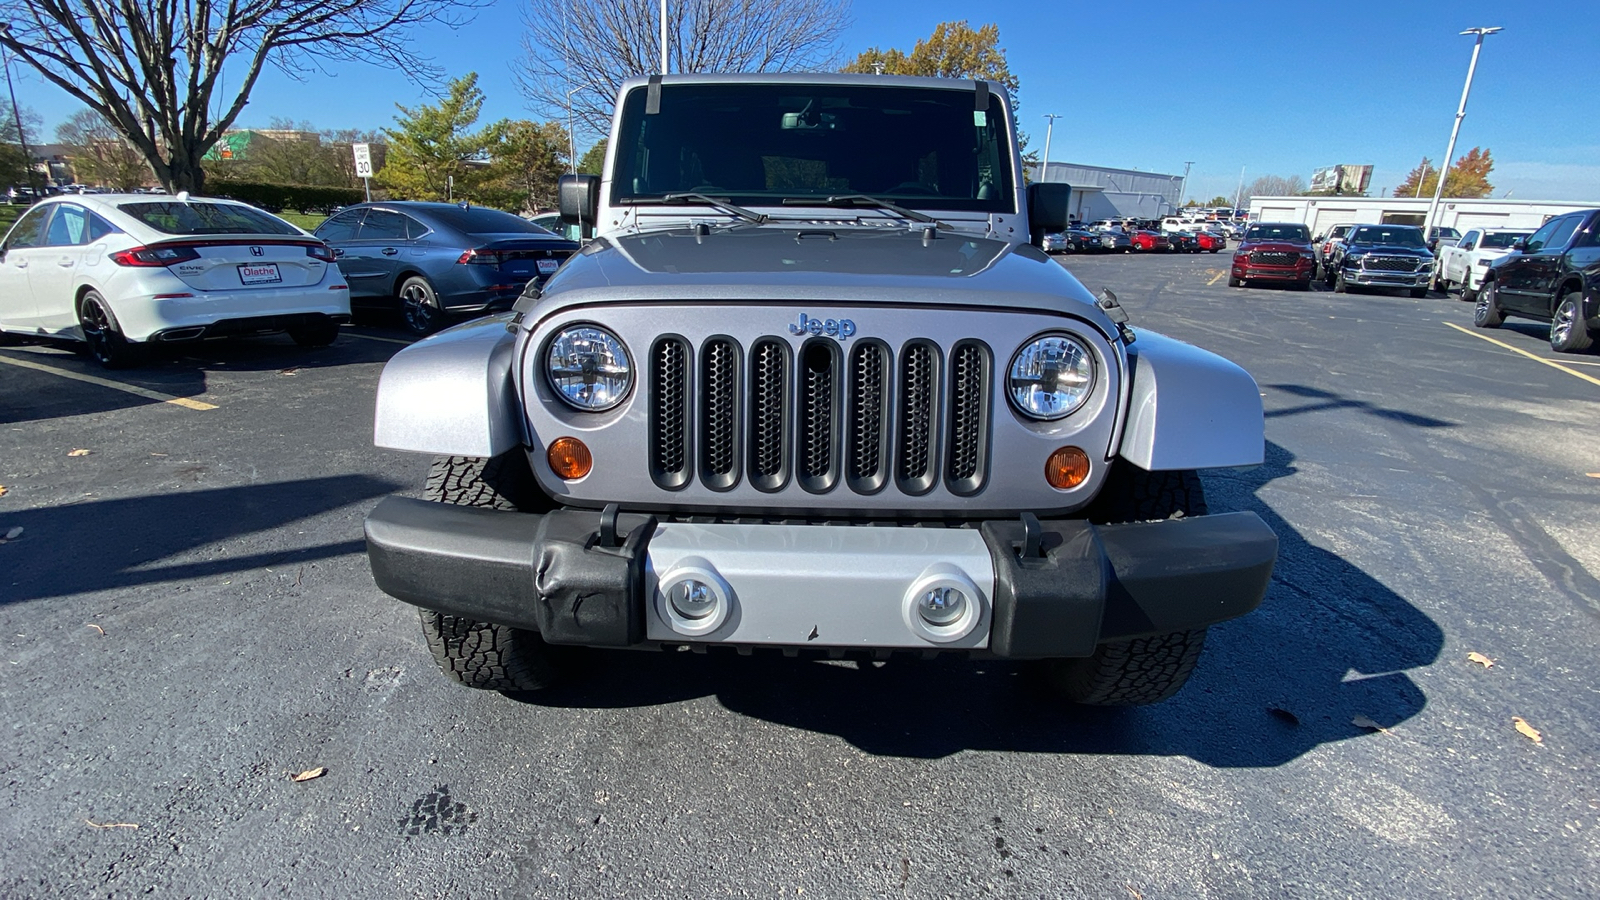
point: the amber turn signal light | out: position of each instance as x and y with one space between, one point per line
1066 468
570 459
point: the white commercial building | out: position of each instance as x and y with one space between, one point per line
1323 212
1102 193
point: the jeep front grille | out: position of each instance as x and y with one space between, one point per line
821 415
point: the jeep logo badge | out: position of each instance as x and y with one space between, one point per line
842 329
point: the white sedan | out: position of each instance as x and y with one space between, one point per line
1464 264
121 271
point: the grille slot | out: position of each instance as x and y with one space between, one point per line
915 466
769 414
669 413
817 428
719 413
969 418
868 417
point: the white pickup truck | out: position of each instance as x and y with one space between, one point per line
1462 266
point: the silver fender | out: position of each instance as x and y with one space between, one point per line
1190 409
452 394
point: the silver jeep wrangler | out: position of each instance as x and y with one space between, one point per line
810 388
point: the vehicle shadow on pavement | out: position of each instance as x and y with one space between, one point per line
116 544
31 395
1329 644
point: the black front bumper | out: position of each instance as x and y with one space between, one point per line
1061 587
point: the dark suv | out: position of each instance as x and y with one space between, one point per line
1553 275
1274 251
1388 256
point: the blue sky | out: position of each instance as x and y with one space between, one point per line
1278 88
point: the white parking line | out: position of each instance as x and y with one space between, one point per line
1539 359
135 390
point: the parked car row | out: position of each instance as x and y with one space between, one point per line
1111 236
118 273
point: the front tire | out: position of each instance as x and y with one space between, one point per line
1419 293
1487 314
1569 332
1340 286
419 305
1148 669
477 654
100 332
1235 282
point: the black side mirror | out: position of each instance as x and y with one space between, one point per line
1048 204
1521 245
578 198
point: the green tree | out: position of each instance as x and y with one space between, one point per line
433 146
954 50
99 154
1468 178
13 168
593 161
528 161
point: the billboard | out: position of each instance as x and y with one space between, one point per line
1341 180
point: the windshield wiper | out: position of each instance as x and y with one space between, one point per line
865 200
725 206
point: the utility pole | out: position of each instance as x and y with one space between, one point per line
663 37
1183 191
1461 113
1044 164
1240 190
22 137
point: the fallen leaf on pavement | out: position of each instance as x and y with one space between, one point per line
79 452
1528 731
309 774
289 371
13 533
95 627
1364 722
1283 715
2 490
112 824
1480 659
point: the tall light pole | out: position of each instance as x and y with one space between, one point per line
663 37
1461 113
1185 189
1240 190
1044 164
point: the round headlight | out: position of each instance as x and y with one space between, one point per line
589 368
1050 377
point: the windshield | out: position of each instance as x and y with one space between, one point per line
1501 239
478 220
1393 235
1299 234
762 144
173 217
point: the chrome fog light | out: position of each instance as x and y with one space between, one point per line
692 598
943 605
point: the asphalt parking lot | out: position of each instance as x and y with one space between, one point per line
188 621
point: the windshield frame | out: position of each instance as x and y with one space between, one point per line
1004 192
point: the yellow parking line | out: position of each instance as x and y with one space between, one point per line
184 402
1539 359
1215 278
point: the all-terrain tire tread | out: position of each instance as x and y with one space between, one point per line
1132 672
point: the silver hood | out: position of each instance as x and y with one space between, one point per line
817 262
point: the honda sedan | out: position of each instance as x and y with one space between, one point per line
438 261
123 271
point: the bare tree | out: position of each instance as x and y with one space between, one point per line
99 155
152 67
590 47
1275 186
